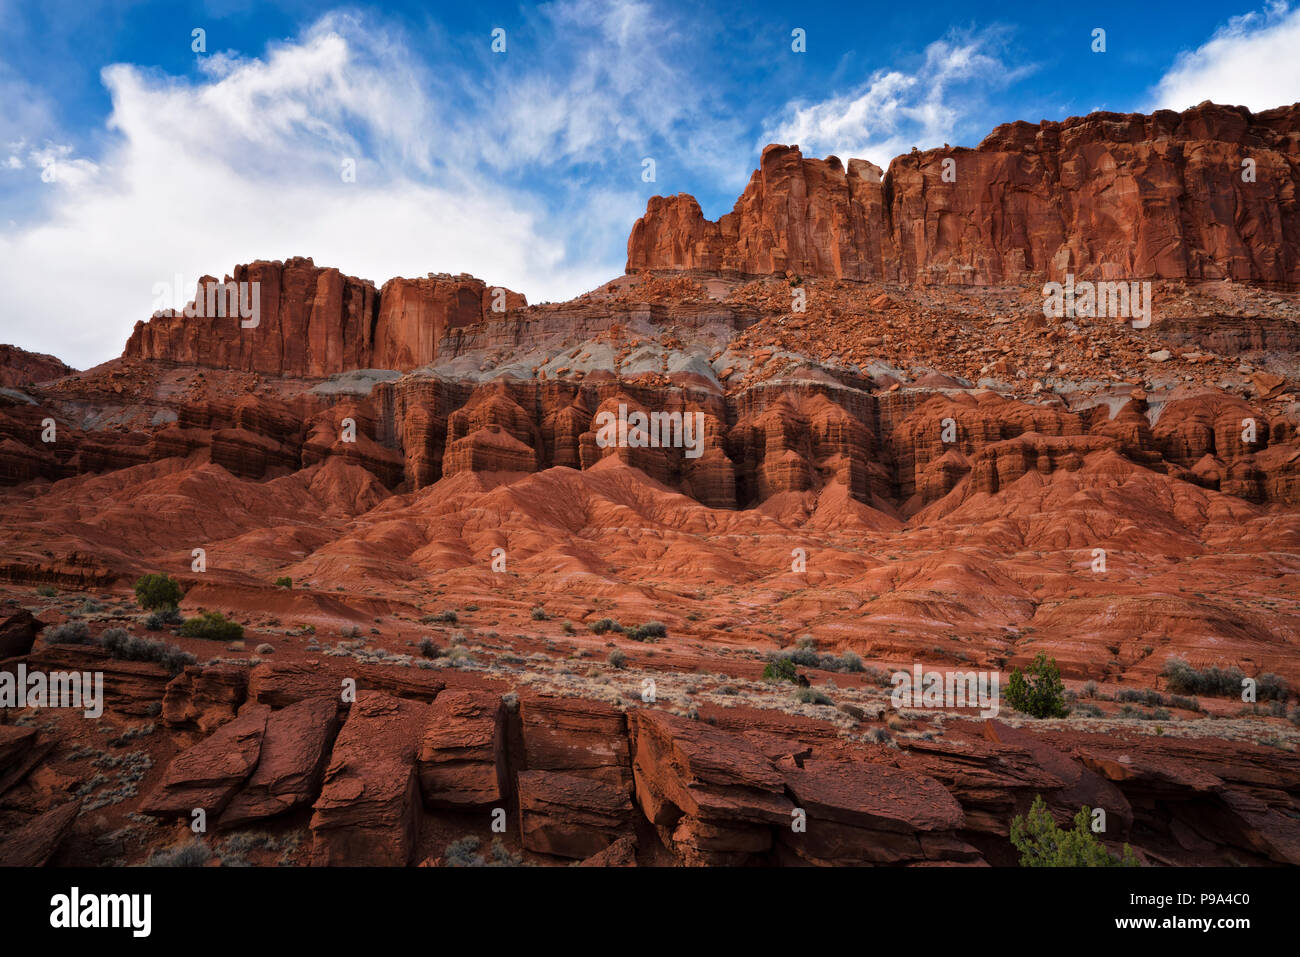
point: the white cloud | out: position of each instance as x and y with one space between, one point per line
895 110
1253 61
58 166
244 163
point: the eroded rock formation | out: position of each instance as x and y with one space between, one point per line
312 321
1204 194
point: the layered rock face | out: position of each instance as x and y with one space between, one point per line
18 367
414 314
314 322
1209 193
909 447
591 781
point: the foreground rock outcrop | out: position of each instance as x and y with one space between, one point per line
368 811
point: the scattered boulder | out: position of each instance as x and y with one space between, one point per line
15 741
713 795
208 774
204 697
576 736
368 812
34 843
570 816
295 749
18 633
862 813
462 752
622 853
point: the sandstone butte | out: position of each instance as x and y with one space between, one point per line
919 467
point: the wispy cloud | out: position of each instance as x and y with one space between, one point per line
893 110
530 178
1250 61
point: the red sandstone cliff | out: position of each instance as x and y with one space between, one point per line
1107 195
19 367
314 322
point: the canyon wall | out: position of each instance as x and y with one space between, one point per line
1209 193
886 449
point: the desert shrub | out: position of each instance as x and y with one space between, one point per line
539 614
1042 844
213 625
780 669
158 620
811 696
650 631
617 659
284 581
849 661
1042 694
1144 696
429 649
69 633
157 591
459 657
113 637
1182 678
461 853
602 625
191 853
1223 682
803 653
880 677
845 662
1090 689
1270 687
465 853
447 617
127 647
46 591
1087 710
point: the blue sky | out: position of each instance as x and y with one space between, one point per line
523 167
